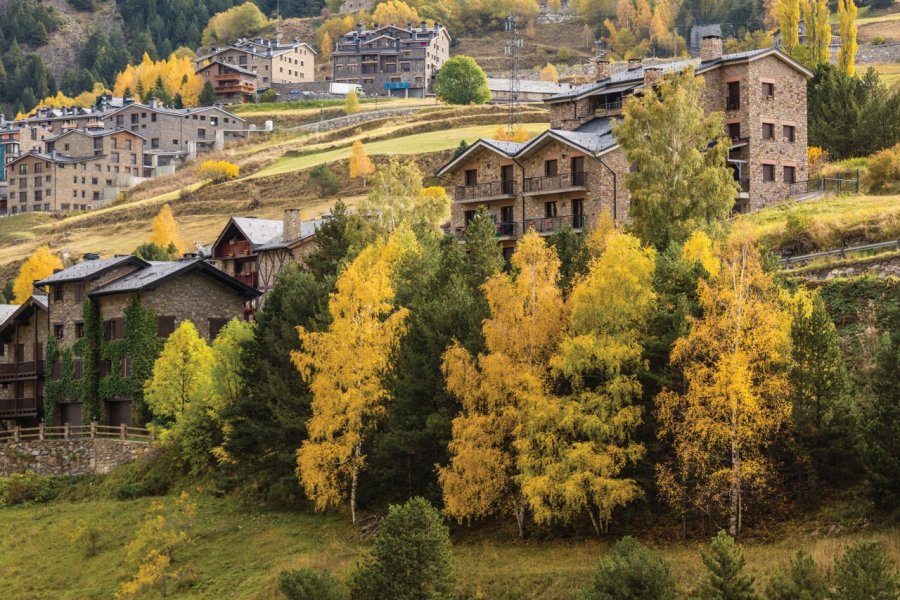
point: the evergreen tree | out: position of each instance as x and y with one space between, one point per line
881 429
632 572
801 581
207 95
725 580
865 572
411 558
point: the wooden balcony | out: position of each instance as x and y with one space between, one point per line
234 249
20 407
554 184
483 192
550 225
250 279
235 88
21 370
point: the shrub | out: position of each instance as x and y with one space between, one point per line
801 581
411 557
324 179
269 95
797 234
816 158
864 572
632 572
351 103
218 170
883 173
87 537
461 81
309 584
878 40
152 476
725 579
27 487
564 54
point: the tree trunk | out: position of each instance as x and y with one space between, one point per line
733 518
520 520
353 482
594 521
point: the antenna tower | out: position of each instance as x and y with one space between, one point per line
513 44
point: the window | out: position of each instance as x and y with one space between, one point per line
78 367
165 326
768 131
58 331
134 118
38 195
23 169
551 168
125 367
768 89
216 325
214 121
154 143
114 329
550 210
734 131
57 293
768 172
471 177
79 330
790 174
201 133
578 213
469 215
733 100
153 117
789 133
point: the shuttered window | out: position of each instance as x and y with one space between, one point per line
165 326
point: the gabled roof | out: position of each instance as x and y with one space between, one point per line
156 273
231 67
35 302
57 158
90 269
6 311
179 112
506 149
95 133
307 229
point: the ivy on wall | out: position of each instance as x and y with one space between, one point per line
88 347
61 385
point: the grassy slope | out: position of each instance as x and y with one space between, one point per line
238 553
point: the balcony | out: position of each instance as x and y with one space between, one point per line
504 230
250 279
732 103
553 224
24 369
234 249
19 407
483 192
236 88
550 184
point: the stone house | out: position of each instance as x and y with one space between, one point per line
576 170
77 170
391 60
175 291
254 251
23 337
270 61
231 83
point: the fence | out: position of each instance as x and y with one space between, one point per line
841 183
841 253
74 432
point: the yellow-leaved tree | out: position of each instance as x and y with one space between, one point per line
789 22
176 73
226 27
818 30
395 12
847 27
182 374
549 73
39 265
496 388
346 367
326 47
574 446
351 103
165 230
736 400
360 164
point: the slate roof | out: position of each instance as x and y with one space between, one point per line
307 228
6 311
529 86
157 272
89 268
38 300
237 68
260 231
57 158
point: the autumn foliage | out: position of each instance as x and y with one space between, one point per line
218 171
165 230
39 265
177 73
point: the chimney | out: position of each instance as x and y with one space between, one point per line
154 103
602 70
710 47
634 63
90 256
359 29
424 27
292 224
652 75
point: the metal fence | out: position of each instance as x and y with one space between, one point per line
795 261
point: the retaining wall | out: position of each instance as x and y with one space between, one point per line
69 457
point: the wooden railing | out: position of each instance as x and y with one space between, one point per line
20 369
74 432
19 407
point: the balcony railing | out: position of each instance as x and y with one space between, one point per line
555 183
21 369
732 103
234 250
250 279
553 224
19 407
483 191
745 184
503 230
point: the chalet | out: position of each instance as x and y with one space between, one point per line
254 251
576 170
23 335
174 291
231 83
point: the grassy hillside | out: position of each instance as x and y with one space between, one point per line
237 552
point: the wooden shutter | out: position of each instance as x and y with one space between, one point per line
165 326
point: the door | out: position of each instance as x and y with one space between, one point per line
551 168
70 412
577 171
507 223
506 179
471 177
578 213
119 412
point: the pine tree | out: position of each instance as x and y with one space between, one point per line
865 572
208 95
632 572
881 429
801 581
725 580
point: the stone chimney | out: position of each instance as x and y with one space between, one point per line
710 47
424 27
602 70
652 75
634 63
154 103
292 223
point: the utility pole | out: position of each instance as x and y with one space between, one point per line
513 44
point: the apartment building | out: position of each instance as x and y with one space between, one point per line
174 290
23 339
576 170
270 61
391 60
231 83
77 170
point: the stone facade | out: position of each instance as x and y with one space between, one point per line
391 60
271 61
232 84
23 340
59 458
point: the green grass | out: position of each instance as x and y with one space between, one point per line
433 141
238 551
15 228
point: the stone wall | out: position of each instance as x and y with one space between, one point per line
69 457
884 266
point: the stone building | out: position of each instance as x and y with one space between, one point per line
76 170
231 83
255 250
391 60
23 337
270 61
175 291
576 170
